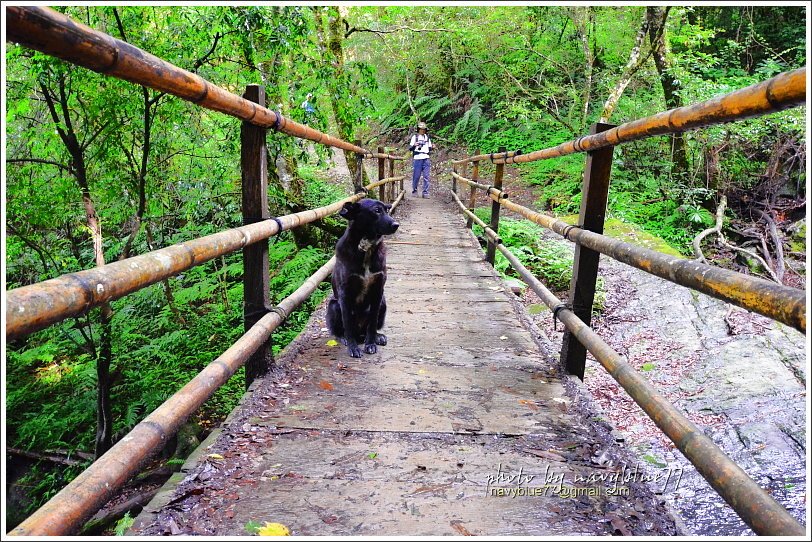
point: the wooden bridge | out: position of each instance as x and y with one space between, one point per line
409 441
461 424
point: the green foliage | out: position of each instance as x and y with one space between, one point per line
525 89
549 261
43 483
124 524
252 527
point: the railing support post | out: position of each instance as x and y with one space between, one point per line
254 161
472 199
358 182
495 207
382 174
594 194
392 194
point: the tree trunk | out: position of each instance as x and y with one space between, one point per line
64 127
657 16
346 130
636 60
583 18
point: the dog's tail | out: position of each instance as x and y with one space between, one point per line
334 322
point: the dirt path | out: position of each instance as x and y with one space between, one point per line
418 438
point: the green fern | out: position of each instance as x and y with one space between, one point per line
471 124
428 107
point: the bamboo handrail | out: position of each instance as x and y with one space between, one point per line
754 505
783 91
782 303
51 32
383 155
489 189
493 157
67 510
37 306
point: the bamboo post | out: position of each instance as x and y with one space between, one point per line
594 194
358 182
381 173
472 199
495 206
256 280
392 174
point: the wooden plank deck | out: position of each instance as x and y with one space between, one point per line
414 439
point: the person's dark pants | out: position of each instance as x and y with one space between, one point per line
421 167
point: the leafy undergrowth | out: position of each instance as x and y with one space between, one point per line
549 261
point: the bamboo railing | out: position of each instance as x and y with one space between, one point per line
67 510
787 305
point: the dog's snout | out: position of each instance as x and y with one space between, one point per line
395 226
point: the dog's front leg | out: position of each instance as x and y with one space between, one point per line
348 318
371 337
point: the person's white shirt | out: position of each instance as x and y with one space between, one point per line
422 144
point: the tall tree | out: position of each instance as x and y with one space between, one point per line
584 21
337 86
657 17
57 93
636 60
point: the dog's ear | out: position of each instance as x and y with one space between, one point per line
349 211
387 206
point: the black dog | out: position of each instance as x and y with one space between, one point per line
358 307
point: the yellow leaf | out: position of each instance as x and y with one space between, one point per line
421 371
273 529
332 342
216 456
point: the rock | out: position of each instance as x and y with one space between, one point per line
516 286
745 387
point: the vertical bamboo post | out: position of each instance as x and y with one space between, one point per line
358 182
254 162
381 174
472 199
594 194
495 207
392 194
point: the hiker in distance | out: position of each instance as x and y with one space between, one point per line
421 146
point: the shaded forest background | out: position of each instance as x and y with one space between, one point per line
98 170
